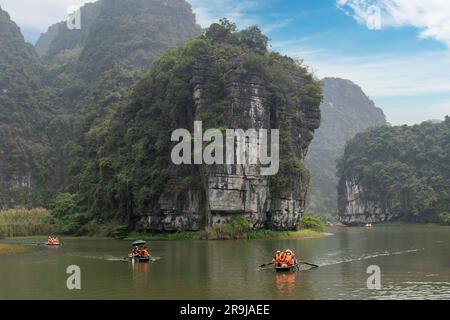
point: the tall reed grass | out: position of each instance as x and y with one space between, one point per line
23 222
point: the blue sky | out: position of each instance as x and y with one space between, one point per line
401 59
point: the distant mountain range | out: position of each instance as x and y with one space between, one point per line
346 110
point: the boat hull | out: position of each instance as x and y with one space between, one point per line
285 268
139 259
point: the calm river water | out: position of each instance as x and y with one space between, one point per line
414 263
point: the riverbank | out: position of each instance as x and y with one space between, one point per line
404 224
12 249
250 235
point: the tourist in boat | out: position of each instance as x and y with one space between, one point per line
135 252
277 259
291 260
283 257
145 252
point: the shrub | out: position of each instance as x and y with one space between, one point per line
63 205
444 218
312 222
235 228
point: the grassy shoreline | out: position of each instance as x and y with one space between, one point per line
250 235
200 235
12 249
24 222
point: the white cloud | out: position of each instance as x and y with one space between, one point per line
431 16
410 87
414 113
387 75
210 11
244 13
38 15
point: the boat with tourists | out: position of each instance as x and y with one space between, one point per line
285 261
139 252
53 241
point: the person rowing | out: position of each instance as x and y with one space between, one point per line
135 252
290 259
145 252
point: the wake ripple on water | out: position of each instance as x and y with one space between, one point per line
106 257
326 262
415 290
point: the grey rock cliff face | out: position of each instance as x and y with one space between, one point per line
240 189
354 211
59 39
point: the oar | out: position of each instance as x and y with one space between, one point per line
266 264
151 258
309 264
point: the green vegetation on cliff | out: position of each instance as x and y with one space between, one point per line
54 110
25 126
403 171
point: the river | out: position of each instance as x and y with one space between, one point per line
414 263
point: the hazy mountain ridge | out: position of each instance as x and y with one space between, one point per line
346 111
70 89
25 113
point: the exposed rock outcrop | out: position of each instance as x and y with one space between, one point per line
354 211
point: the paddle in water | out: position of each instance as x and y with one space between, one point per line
266 264
309 264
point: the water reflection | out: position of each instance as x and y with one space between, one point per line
285 283
140 269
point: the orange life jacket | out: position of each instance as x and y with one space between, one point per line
278 257
289 260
